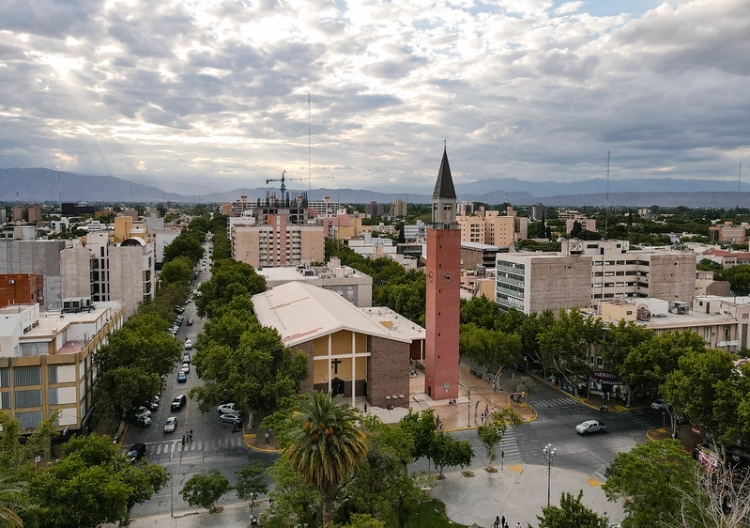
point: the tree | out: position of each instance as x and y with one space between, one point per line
493 431
646 367
205 488
177 271
530 330
565 345
650 480
229 279
9 503
186 245
577 229
710 390
257 375
738 277
360 520
447 451
571 512
97 479
421 427
326 446
292 498
251 482
491 349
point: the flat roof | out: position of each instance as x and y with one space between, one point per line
301 312
400 324
477 245
52 323
661 316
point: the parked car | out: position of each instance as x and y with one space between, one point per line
230 418
171 425
143 421
136 452
173 330
188 344
516 367
185 368
179 402
185 357
142 410
225 408
153 404
178 309
590 426
659 405
181 377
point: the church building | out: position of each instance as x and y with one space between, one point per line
357 352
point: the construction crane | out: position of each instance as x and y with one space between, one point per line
282 180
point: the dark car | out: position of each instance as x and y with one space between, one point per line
516 367
181 378
189 322
179 402
136 452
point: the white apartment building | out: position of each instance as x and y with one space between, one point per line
46 361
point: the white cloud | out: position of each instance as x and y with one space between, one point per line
520 88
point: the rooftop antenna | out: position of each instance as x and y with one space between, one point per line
59 190
606 216
739 180
607 178
309 145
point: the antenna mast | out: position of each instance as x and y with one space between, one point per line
739 181
309 147
59 190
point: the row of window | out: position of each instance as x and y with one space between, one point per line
26 376
25 399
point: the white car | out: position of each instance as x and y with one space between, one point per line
659 405
226 408
590 426
185 368
188 344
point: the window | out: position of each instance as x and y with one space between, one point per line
5 377
52 374
28 398
29 420
4 400
53 399
27 376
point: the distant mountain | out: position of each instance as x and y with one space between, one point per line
39 185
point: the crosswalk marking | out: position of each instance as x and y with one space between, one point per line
167 447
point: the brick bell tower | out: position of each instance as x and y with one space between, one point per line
442 296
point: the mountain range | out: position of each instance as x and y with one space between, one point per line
40 185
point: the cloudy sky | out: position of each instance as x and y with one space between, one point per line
215 92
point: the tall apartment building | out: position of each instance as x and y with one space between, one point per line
46 362
488 227
727 233
106 271
539 212
464 208
399 207
324 207
535 282
277 234
374 209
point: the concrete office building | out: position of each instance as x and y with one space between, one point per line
488 227
46 362
474 254
104 271
727 233
39 257
537 282
399 208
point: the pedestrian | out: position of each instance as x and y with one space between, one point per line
183 440
502 522
267 438
518 524
365 407
191 435
486 410
482 416
497 522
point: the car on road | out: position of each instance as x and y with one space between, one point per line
189 322
144 411
659 405
230 418
516 367
142 420
188 344
185 357
226 408
179 402
136 452
153 404
590 426
181 377
171 425
185 368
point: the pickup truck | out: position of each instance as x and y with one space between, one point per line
590 426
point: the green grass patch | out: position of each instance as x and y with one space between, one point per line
426 516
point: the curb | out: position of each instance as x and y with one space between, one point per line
247 437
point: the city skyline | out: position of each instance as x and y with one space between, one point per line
214 94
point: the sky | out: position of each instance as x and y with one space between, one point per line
214 94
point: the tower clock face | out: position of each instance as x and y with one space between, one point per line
431 276
448 278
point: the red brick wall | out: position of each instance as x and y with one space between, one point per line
387 372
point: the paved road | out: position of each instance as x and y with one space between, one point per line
214 444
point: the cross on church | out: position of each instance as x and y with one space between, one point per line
335 363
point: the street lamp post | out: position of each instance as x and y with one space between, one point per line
549 453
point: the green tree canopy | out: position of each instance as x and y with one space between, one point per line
651 480
205 488
492 432
571 512
177 271
229 279
738 277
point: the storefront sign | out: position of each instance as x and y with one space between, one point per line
605 378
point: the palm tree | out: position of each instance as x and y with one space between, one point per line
326 446
8 517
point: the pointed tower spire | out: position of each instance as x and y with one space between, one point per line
444 185
444 197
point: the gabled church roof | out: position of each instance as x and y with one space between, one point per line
444 185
